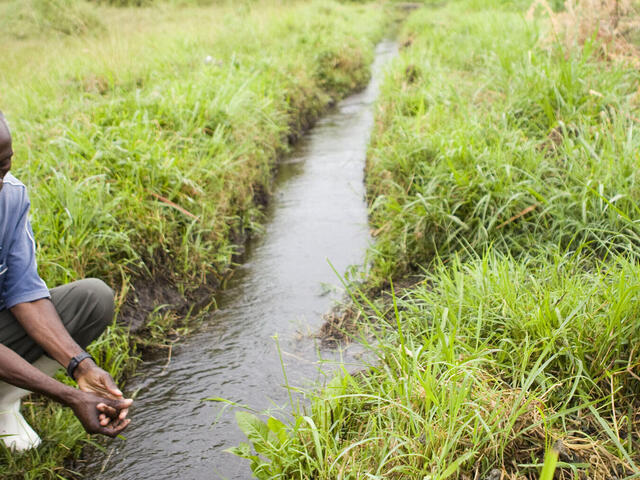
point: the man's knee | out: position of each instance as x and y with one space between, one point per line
91 307
85 307
101 297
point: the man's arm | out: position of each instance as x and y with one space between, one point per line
26 295
97 414
42 323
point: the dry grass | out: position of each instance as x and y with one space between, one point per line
339 324
608 22
582 443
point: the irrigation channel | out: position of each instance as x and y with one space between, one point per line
317 215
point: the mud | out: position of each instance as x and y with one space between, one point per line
346 320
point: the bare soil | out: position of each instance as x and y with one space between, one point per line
345 320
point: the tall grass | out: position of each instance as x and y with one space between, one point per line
31 18
148 145
143 126
482 366
502 176
493 141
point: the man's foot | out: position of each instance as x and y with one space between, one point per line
15 432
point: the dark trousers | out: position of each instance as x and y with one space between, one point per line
85 308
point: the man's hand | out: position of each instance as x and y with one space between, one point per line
100 415
93 379
107 414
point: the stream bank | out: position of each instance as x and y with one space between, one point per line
317 215
502 175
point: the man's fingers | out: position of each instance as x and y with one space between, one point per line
118 404
111 386
114 430
104 415
125 403
97 389
107 409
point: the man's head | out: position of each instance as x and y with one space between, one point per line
6 151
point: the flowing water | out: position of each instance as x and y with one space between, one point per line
317 215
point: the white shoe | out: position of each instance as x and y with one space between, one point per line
15 432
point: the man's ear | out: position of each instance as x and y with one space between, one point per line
5 139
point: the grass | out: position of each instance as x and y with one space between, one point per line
493 141
149 142
481 366
502 180
127 131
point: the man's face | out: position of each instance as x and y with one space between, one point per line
5 150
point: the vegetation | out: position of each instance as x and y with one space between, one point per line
148 138
502 179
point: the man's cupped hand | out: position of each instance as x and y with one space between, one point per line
113 409
101 415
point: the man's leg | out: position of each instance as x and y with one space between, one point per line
86 309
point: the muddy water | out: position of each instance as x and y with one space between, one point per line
318 214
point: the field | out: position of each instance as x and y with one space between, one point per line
502 304
148 138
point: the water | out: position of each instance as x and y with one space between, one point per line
317 214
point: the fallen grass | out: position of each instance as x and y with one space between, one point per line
503 174
613 23
148 145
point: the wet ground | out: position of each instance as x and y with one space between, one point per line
318 215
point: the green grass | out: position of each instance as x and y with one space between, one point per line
482 365
502 178
127 118
487 127
149 142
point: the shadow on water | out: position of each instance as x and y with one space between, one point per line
317 215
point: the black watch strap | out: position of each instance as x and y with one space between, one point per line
75 361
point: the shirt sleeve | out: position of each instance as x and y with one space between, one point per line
22 283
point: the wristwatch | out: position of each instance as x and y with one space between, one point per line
75 361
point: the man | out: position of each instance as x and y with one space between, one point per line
42 329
